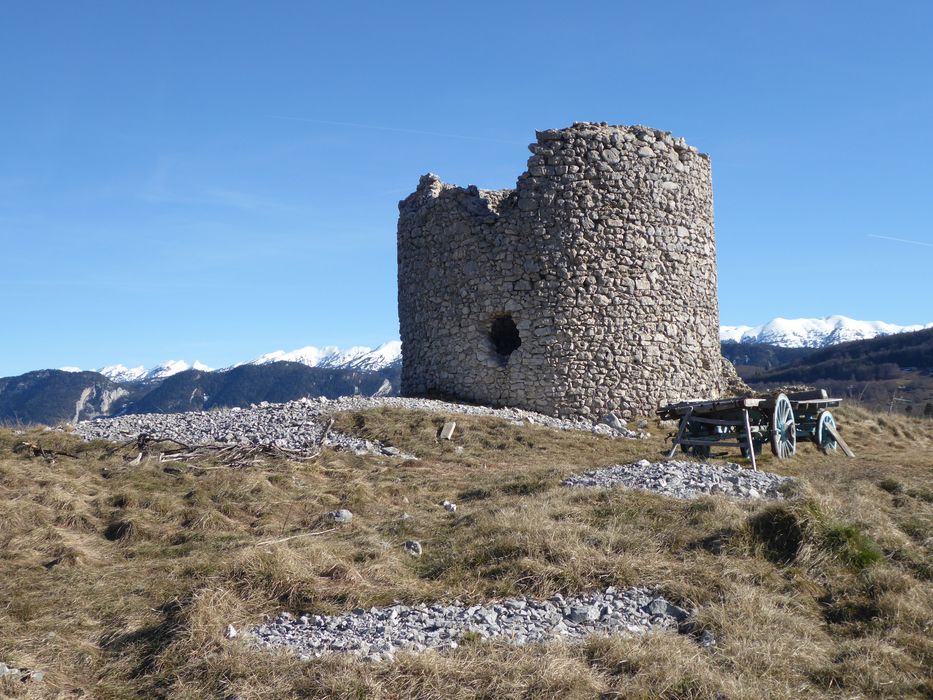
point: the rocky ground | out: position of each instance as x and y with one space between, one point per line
303 425
681 479
156 580
377 633
20 674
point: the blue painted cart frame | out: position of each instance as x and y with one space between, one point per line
750 422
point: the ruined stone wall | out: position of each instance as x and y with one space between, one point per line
600 266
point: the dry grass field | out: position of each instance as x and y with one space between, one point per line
118 580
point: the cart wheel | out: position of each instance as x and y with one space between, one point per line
824 438
783 429
756 445
700 430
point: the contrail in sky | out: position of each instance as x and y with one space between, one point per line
901 240
395 129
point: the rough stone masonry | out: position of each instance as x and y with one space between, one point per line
590 287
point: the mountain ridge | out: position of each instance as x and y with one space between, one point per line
893 372
813 332
779 332
874 370
358 357
51 396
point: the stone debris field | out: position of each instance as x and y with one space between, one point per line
680 479
303 425
377 633
20 674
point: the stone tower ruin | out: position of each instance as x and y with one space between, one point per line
590 287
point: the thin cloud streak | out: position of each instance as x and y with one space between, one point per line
165 186
377 127
901 240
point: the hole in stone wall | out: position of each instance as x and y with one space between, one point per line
504 335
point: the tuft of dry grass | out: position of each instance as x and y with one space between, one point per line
120 580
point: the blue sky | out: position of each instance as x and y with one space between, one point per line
216 180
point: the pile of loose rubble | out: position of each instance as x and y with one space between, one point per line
612 427
685 479
378 633
303 425
21 674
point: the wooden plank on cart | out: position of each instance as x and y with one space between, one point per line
714 421
842 443
712 441
711 406
806 395
821 403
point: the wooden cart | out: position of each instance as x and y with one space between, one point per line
750 422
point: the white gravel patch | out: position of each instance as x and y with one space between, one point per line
516 416
303 425
681 479
377 633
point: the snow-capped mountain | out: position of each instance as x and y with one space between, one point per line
170 367
386 355
121 373
358 357
328 356
788 333
813 332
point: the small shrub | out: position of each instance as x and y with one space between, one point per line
471 638
918 529
121 500
852 546
705 505
120 530
848 609
892 486
780 531
474 494
527 486
925 494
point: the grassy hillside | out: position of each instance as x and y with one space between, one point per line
874 371
119 580
51 395
862 360
752 358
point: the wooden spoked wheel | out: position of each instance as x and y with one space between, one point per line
824 437
783 429
755 445
700 430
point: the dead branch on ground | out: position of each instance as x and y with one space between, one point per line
236 456
37 451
